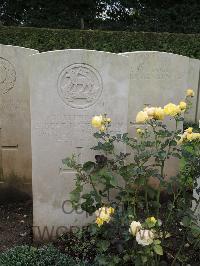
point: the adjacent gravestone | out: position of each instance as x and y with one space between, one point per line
67 89
196 202
158 78
15 144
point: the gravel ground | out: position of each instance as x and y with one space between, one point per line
15 224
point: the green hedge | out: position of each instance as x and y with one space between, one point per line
51 39
30 256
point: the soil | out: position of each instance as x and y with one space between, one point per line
15 224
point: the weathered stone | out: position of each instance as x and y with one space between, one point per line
196 202
67 89
15 145
158 78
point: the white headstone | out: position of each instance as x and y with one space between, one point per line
67 89
15 141
158 78
196 204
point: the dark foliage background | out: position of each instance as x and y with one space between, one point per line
111 41
132 15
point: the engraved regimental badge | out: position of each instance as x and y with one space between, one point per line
7 76
80 85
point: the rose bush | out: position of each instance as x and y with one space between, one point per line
136 222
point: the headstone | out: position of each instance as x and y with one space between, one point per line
15 144
67 89
158 78
196 202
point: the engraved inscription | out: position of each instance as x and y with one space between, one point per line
162 69
60 128
79 85
7 76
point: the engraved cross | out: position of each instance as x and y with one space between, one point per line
2 148
80 161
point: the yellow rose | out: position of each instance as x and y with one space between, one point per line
198 136
104 214
102 128
189 130
139 131
108 120
152 219
135 227
111 210
159 113
150 111
172 109
97 121
182 138
190 93
141 117
191 137
99 221
183 105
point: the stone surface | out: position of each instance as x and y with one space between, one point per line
196 202
15 144
158 78
194 82
67 89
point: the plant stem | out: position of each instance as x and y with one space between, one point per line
159 189
158 202
146 199
173 205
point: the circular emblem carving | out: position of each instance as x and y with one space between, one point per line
7 76
79 85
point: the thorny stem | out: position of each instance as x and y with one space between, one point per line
173 205
162 162
91 182
146 199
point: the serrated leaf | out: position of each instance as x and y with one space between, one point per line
156 241
186 221
103 245
88 166
158 250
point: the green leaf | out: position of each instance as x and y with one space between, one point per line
144 259
102 260
151 192
103 245
68 162
156 241
106 175
97 135
158 250
88 166
75 194
195 230
113 181
186 221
